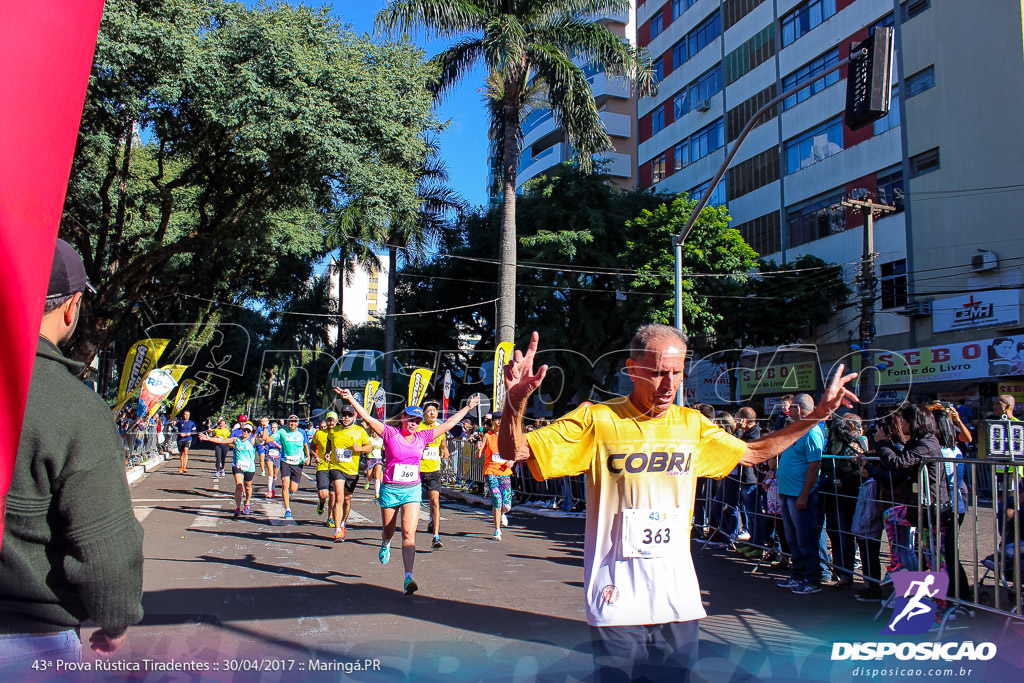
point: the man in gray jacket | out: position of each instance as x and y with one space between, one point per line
72 549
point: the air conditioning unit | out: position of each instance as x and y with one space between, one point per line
984 260
917 308
702 105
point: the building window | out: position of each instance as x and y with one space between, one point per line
890 187
911 8
702 88
707 140
804 18
717 197
659 69
657 25
658 168
763 233
734 10
682 154
697 39
751 54
816 218
754 173
921 81
658 120
925 162
814 145
808 71
892 119
894 284
737 117
680 6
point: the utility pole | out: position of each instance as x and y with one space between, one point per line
869 210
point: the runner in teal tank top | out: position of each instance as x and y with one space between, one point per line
244 466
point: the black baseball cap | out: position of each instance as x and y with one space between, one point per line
67 274
347 410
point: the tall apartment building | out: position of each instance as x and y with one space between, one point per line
720 60
365 295
544 142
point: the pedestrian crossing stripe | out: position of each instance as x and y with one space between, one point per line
142 512
206 519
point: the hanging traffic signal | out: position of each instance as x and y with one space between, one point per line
867 83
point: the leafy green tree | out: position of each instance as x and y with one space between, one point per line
516 42
217 145
715 263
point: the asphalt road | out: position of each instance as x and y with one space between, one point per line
266 599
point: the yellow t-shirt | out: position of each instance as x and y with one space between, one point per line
342 456
320 440
641 480
431 461
222 433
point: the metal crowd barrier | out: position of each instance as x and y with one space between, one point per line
462 469
984 557
141 444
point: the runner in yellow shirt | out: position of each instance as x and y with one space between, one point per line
322 447
430 471
349 441
642 455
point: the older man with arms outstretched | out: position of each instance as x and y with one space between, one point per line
642 455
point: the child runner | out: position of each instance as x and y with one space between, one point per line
323 440
498 477
375 465
273 460
403 450
244 464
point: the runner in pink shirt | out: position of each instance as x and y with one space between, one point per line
403 450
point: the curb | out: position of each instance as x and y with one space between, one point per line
526 507
134 474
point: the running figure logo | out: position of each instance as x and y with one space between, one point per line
916 594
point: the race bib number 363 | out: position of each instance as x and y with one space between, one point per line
652 533
432 453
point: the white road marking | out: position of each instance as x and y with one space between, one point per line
141 513
206 519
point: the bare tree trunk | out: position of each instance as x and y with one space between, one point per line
339 347
389 320
506 326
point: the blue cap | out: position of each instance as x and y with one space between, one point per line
496 415
413 411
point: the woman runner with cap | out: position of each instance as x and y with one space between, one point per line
244 466
400 490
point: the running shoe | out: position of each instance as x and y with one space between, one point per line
340 534
366 485
437 542
288 514
789 583
410 586
497 534
806 589
385 554
320 507
247 511
504 519
238 513
330 523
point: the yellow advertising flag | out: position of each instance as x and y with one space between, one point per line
182 397
368 394
176 371
418 385
502 355
141 358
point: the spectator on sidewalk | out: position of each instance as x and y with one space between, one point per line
72 548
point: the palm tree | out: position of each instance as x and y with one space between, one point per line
520 42
412 234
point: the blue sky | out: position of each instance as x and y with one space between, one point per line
464 144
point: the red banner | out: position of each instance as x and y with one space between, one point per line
46 51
